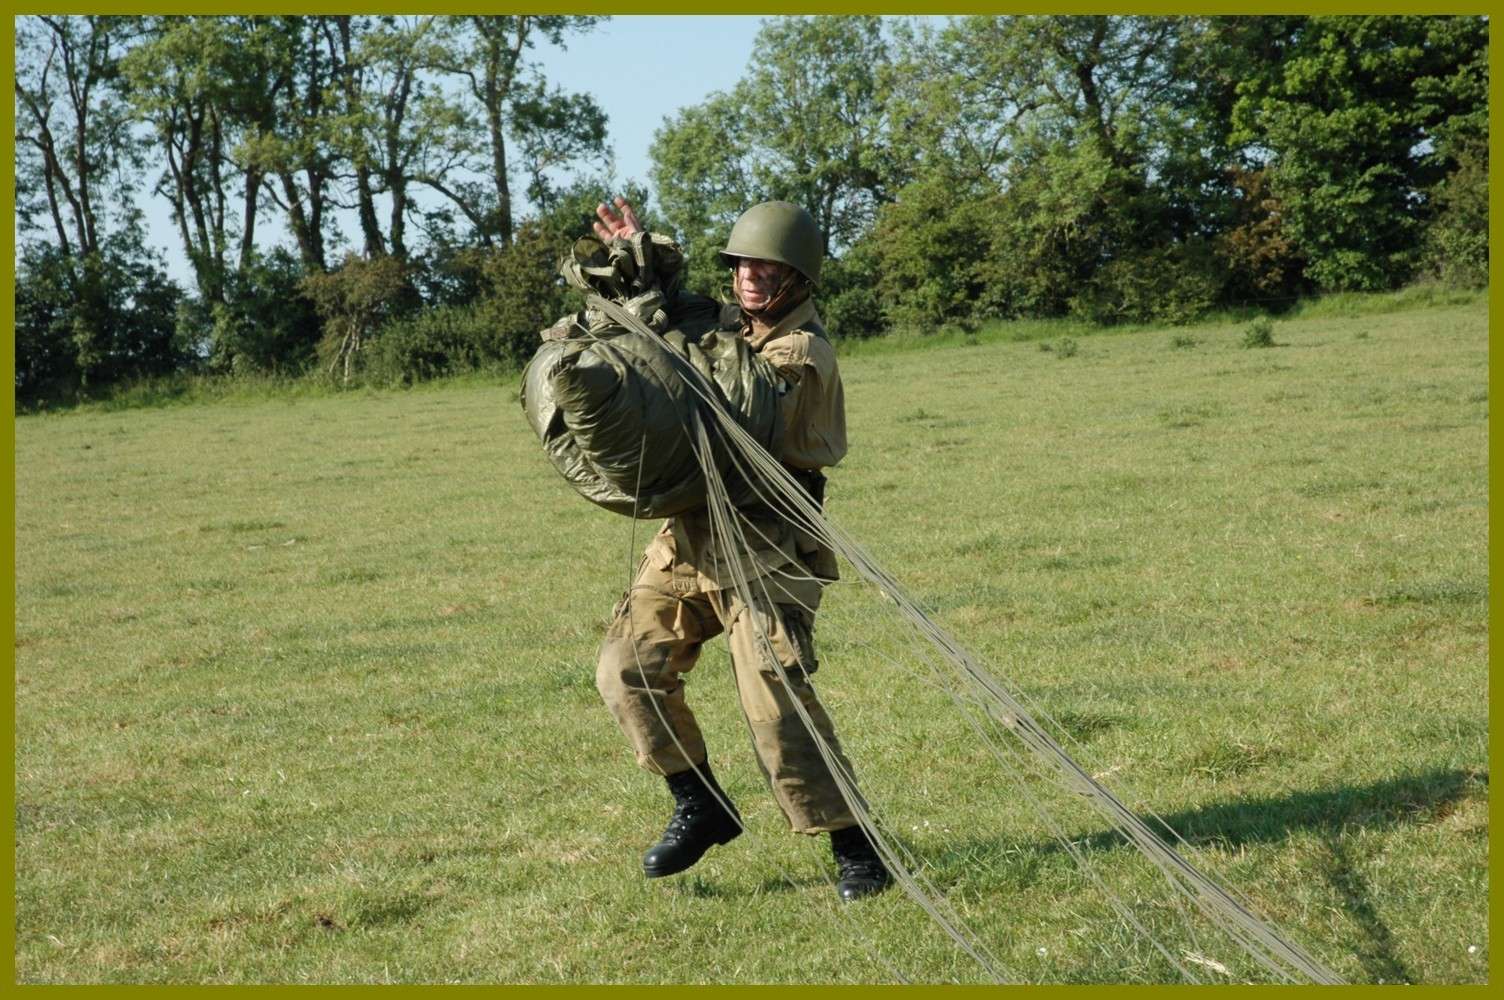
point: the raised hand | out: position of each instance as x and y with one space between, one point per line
613 225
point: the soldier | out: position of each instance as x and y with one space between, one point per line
680 599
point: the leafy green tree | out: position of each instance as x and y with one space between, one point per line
208 87
295 149
83 323
985 93
1051 229
807 124
517 293
1456 247
75 154
519 110
406 129
703 175
816 110
1355 123
1053 137
92 306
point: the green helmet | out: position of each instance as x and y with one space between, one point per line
777 230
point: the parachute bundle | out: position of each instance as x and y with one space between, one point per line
734 464
596 389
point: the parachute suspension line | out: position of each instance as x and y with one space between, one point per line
724 526
700 774
1260 941
731 543
632 526
656 695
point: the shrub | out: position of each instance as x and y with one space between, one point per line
1042 236
429 344
523 293
848 297
853 313
1259 333
1261 261
1168 284
86 323
1456 247
266 324
355 302
928 246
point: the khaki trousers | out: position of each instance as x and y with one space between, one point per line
654 640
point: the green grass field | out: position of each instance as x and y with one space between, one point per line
304 685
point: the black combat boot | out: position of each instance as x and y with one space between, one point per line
699 823
862 871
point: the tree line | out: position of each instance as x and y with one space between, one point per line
387 197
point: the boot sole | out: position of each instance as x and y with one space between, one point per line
662 871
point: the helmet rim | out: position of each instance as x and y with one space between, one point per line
779 231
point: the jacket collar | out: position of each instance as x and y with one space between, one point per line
758 333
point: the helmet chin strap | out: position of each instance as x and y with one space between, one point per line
791 291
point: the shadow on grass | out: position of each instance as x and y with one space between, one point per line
1407 799
1414 798
1378 951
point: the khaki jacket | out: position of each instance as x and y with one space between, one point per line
814 408
814 420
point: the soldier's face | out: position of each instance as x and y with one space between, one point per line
757 281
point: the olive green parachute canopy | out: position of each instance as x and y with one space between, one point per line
611 406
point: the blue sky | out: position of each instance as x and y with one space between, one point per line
642 68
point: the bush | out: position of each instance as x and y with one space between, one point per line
354 302
441 341
1060 214
1170 284
83 324
523 293
927 248
266 324
854 313
1261 261
1259 333
848 297
1456 249
520 294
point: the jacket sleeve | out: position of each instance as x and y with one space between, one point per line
814 408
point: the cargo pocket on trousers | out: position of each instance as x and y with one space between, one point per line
799 629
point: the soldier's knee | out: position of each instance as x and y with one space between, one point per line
608 667
624 664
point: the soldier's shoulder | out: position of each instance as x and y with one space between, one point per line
815 328
801 346
817 341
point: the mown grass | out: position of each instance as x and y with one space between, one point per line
304 683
